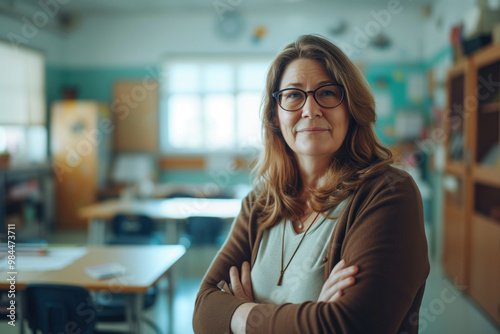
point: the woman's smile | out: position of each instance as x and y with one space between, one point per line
312 131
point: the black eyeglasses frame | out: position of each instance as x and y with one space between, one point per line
275 95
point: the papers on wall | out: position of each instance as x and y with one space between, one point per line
409 125
383 104
415 88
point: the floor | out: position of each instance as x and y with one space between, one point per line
454 313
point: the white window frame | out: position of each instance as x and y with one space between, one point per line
33 114
234 60
33 84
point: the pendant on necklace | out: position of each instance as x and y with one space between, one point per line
280 278
300 225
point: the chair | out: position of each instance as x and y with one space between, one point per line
180 195
204 230
4 304
113 309
134 230
54 308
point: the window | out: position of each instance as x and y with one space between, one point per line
23 131
212 105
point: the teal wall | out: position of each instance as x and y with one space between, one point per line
93 83
394 78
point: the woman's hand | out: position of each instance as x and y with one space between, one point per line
340 278
242 288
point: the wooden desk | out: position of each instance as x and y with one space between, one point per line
169 211
145 266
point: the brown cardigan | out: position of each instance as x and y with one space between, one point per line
381 230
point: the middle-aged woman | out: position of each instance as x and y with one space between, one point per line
331 239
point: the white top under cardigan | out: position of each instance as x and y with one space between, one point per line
304 277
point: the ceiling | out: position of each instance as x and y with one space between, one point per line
89 7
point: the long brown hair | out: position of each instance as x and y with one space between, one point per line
361 156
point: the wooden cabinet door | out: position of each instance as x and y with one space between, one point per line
454 252
74 159
485 265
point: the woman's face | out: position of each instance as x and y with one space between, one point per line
312 131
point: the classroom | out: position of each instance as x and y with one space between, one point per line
137 136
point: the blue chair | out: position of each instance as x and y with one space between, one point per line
113 309
180 195
55 308
202 230
4 304
131 229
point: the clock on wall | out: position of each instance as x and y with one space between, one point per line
230 25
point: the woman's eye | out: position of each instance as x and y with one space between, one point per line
328 93
292 95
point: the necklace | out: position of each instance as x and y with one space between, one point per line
300 222
282 271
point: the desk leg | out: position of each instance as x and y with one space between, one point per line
170 300
129 312
135 305
96 231
21 310
171 231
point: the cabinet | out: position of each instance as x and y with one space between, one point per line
81 148
472 196
485 181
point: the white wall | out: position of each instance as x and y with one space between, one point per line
146 38
445 14
138 39
19 33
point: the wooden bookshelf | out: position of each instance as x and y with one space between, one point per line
486 175
476 238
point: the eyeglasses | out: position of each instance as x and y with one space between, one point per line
327 96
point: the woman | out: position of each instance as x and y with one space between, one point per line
324 192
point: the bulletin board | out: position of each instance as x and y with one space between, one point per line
135 108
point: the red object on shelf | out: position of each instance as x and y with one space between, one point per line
495 213
4 159
455 35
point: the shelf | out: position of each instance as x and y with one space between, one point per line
489 107
455 168
486 175
13 201
483 219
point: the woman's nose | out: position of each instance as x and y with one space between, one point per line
311 108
